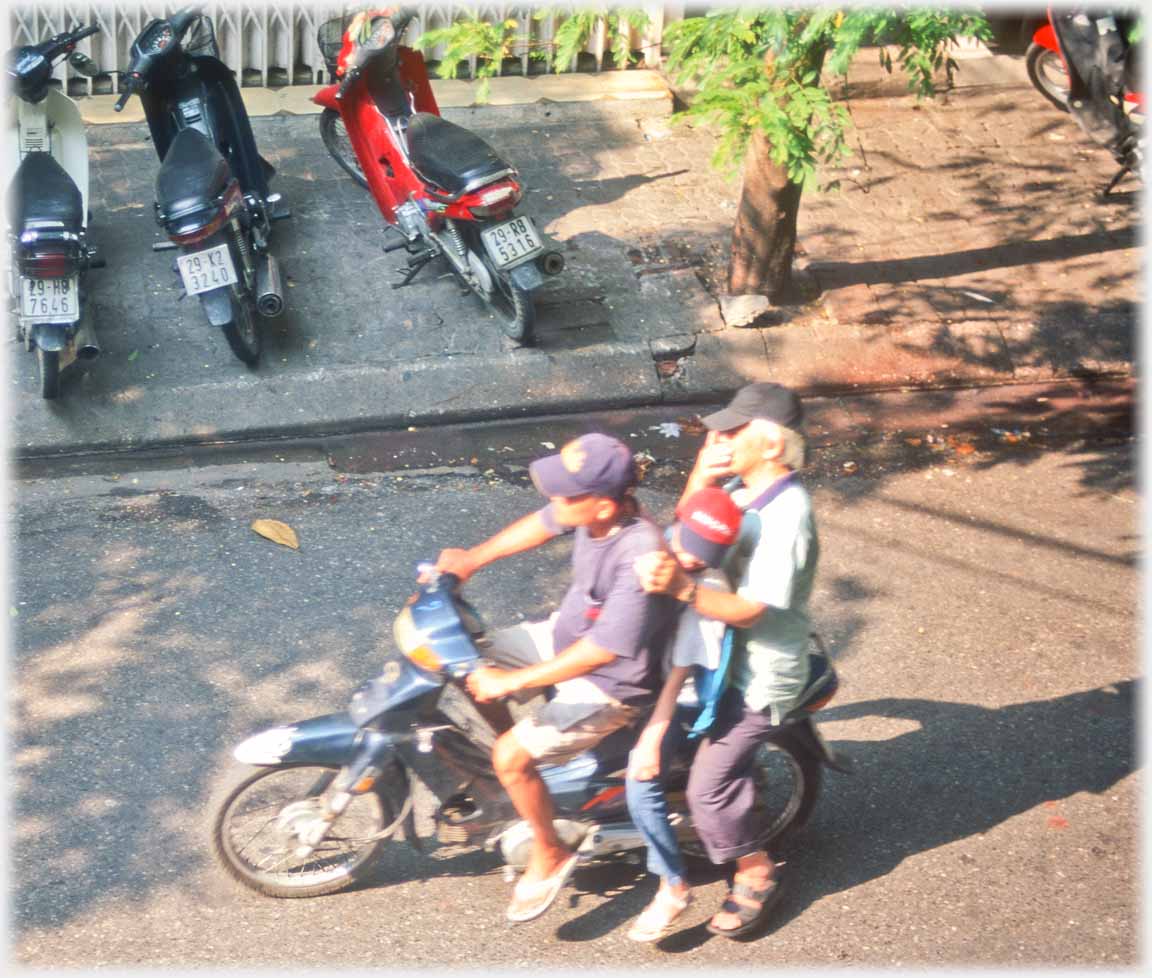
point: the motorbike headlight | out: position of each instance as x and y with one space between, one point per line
413 643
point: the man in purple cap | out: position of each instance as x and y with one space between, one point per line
602 649
754 447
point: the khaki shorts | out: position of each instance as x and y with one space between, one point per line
576 719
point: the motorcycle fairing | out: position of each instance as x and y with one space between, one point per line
42 191
208 99
451 157
399 683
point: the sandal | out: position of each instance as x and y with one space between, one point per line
530 900
659 916
751 918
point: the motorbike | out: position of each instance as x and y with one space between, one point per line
442 189
47 153
212 189
315 806
1083 63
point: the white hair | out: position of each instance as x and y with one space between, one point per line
795 447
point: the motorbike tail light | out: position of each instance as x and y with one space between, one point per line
496 199
55 263
193 229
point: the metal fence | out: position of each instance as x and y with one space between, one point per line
275 44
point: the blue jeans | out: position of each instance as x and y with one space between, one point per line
648 806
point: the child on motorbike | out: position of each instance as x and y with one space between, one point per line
709 521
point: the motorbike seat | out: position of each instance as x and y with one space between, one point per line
192 175
449 156
43 193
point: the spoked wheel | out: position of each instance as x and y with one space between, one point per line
1047 72
338 143
257 829
243 333
513 308
49 363
787 785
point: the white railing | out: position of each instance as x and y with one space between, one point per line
275 44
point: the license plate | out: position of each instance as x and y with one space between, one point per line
50 300
512 242
206 270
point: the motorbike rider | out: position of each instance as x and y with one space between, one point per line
601 650
757 439
709 522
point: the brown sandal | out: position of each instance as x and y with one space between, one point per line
751 918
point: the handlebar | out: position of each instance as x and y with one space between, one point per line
84 32
129 90
349 77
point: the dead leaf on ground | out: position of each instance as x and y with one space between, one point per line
277 532
692 425
964 449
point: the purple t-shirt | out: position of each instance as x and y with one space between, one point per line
606 604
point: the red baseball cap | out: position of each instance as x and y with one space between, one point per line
709 524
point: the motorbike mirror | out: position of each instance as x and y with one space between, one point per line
83 65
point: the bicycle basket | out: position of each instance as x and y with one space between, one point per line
200 38
330 39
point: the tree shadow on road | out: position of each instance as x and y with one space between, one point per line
963 771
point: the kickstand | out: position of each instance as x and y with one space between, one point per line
414 266
1124 171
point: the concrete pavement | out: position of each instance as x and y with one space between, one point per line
966 245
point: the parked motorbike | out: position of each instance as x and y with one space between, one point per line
1082 62
47 153
212 196
443 189
315 805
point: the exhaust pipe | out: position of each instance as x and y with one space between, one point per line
87 347
269 289
552 263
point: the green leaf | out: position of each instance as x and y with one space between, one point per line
133 355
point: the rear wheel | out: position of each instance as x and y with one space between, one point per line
243 333
49 364
257 827
1047 73
336 140
513 308
787 786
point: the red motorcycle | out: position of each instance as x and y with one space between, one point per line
444 190
1081 60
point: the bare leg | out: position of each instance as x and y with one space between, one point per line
517 773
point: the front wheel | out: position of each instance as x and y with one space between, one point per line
243 332
335 138
49 364
1047 73
257 829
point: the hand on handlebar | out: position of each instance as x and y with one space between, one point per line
489 683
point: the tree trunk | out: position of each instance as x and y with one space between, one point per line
764 238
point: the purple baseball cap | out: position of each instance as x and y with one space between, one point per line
595 464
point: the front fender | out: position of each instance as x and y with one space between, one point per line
327 97
1046 37
329 740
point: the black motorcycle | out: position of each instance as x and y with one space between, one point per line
314 805
212 196
47 209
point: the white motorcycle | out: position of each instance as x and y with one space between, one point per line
46 160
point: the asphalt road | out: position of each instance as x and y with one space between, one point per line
979 597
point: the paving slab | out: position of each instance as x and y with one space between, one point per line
965 244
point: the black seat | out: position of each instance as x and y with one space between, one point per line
448 155
43 191
192 176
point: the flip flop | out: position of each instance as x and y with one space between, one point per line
751 918
530 900
659 917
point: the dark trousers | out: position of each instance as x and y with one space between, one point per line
721 791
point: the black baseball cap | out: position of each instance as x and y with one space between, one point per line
773 402
594 464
